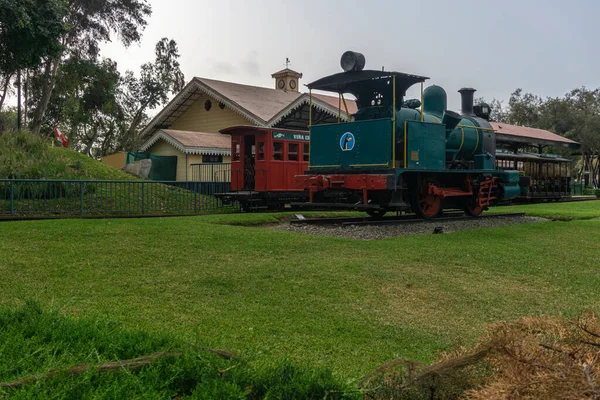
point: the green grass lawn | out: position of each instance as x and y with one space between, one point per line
329 302
560 211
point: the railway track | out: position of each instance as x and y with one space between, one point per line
396 220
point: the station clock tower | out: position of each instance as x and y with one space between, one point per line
287 80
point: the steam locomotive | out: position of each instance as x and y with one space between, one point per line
397 155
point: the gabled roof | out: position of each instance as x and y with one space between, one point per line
260 106
261 102
286 72
192 142
321 102
256 104
334 102
524 134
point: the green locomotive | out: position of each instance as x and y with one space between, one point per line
400 155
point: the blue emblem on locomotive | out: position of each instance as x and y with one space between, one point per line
347 141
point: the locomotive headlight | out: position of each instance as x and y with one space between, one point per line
352 61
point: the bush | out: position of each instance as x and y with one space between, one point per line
591 192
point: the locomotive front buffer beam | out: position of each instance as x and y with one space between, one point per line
362 182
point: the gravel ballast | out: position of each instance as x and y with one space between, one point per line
374 232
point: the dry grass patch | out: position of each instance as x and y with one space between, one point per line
531 358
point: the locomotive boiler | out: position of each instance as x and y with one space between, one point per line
397 155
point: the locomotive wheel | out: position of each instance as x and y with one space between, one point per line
471 208
376 213
425 204
276 206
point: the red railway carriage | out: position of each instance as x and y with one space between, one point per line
264 162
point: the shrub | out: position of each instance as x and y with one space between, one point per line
591 192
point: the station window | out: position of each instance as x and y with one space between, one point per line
211 158
306 152
261 150
236 154
293 151
277 151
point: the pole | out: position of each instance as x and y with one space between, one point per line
12 198
394 121
81 198
422 102
142 197
19 100
309 108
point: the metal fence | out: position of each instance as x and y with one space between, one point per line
32 198
211 172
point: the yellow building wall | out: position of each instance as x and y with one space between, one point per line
115 160
196 118
185 162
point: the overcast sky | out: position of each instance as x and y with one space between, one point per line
545 47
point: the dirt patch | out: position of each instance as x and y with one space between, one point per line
375 232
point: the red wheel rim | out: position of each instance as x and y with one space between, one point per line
477 210
472 208
429 204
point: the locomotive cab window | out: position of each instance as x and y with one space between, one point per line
278 151
306 152
292 151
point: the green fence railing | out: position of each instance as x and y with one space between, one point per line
29 197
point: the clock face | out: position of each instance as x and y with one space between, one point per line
281 84
293 84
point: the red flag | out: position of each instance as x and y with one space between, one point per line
59 136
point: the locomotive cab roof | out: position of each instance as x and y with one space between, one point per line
356 82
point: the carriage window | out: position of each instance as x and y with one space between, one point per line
236 155
277 151
293 151
261 150
306 151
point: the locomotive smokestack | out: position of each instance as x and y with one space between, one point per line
466 95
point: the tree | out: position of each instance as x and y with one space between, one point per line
157 81
524 109
29 31
101 111
575 115
8 119
84 102
90 23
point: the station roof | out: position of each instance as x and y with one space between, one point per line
531 156
507 133
192 142
260 106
